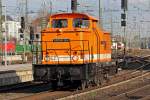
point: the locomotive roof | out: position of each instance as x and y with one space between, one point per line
73 15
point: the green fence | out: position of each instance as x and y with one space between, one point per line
28 48
20 48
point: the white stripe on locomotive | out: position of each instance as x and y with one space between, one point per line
68 58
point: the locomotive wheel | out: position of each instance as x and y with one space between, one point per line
98 81
101 80
83 85
106 77
113 70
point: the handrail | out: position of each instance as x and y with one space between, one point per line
70 52
56 55
83 51
98 43
69 49
89 51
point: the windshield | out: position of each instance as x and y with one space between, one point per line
59 23
81 23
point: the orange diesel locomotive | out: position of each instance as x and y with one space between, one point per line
74 50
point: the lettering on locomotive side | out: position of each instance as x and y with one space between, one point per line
61 40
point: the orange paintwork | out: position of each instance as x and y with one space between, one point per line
87 44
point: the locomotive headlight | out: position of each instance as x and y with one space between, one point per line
75 58
60 30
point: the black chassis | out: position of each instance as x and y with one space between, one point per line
70 72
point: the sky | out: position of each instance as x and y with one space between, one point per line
138 13
35 5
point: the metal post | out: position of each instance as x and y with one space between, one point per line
111 23
100 14
51 8
124 31
5 36
1 36
100 20
25 31
74 6
139 46
125 44
26 12
139 43
124 6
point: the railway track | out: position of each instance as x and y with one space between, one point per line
18 86
44 91
22 90
76 94
138 93
47 94
107 92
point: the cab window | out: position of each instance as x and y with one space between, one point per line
59 23
80 23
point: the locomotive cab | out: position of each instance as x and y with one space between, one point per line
73 49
